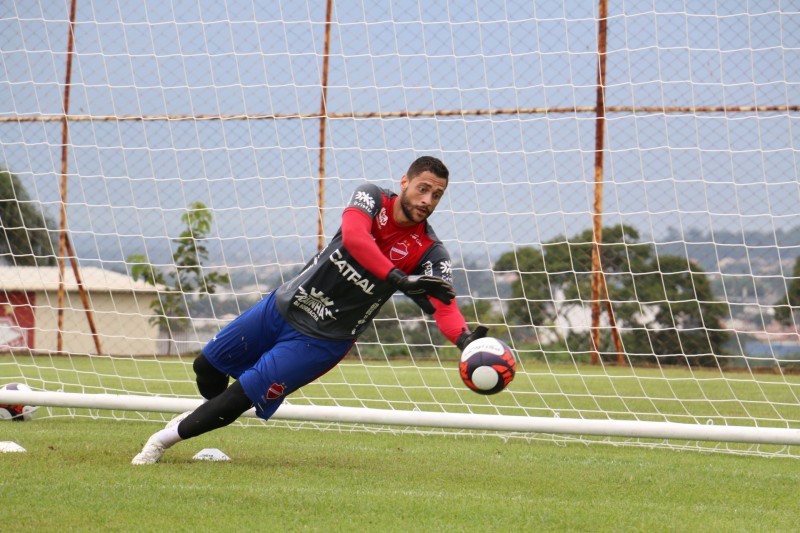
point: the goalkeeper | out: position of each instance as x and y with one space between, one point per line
307 325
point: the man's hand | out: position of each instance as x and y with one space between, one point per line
418 288
467 337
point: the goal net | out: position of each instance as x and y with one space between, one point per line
622 208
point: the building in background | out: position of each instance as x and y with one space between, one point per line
120 307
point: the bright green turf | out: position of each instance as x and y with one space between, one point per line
76 476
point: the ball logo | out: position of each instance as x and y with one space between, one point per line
399 251
486 344
275 391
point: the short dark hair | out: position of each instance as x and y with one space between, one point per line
430 164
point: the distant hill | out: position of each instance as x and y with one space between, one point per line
748 267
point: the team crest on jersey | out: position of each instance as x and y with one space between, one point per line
399 251
275 390
315 303
364 200
383 218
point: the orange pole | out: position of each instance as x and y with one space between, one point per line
64 245
599 286
661 110
84 297
613 324
62 240
597 218
323 114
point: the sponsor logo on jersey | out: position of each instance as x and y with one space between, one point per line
275 390
315 303
416 239
350 273
447 271
372 309
383 218
399 251
364 200
311 265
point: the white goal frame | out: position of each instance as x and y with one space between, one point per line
362 416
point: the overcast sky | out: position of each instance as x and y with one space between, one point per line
515 179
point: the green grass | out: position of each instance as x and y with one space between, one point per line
76 476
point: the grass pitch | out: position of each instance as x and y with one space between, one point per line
76 476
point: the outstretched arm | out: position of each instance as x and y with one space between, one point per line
357 239
453 326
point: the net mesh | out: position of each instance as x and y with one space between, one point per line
220 103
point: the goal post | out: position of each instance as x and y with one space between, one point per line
633 236
459 421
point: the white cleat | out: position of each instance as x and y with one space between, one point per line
151 453
177 420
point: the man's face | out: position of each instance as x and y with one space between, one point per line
418 197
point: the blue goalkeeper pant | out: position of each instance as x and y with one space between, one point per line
269 357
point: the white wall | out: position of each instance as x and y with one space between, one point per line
121 319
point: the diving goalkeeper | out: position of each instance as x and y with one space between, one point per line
307 325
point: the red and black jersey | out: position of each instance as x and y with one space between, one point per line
342 288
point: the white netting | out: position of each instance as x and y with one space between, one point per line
219 103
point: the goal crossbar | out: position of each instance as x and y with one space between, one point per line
358 415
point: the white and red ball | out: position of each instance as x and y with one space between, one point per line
487 365
16 413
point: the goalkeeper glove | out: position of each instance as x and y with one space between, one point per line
418 288
467 337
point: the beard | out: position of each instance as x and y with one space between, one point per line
410 211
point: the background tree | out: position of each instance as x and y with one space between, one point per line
531 301
677 319
189 277
665 303
400 330
25 231
569 266
787 311
569 262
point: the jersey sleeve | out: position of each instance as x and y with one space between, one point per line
364 206
449 319
436 262
358 241
448 316
367 198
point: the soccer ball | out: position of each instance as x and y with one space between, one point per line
487 365
17 413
